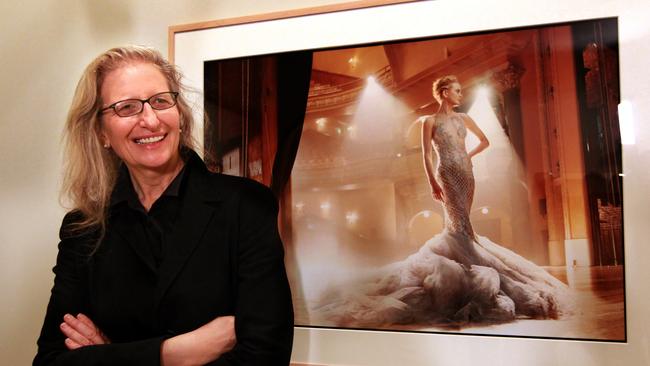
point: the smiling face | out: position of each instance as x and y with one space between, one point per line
453 94
148 141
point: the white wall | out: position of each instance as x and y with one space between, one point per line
44 46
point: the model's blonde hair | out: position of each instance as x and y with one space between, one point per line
441 84
90 169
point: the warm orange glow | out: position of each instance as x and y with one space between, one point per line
351 217
325 209
321 124
499 179
353 61
377 114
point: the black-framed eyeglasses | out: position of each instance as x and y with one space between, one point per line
131 107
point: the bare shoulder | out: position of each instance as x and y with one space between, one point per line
467 120
428 120
466 117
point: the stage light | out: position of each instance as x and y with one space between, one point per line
483 91
351 217
376 114
321 124
325 209
299 209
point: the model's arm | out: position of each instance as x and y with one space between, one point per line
473 127
263 307
427 156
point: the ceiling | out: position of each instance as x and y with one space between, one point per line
353 62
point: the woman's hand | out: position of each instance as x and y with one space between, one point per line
81 331
436 190
202 345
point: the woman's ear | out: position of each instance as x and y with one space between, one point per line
104 139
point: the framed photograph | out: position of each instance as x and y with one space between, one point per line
438 179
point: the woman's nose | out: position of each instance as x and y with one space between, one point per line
148 117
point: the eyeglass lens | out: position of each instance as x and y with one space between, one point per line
131 107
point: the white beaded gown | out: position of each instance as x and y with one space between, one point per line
456 277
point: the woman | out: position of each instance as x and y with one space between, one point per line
160 262
456 276
454 185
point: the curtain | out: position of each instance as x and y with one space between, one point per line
293 77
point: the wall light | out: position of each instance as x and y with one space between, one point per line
626 123
351 217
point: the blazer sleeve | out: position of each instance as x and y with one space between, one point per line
263 307
70 295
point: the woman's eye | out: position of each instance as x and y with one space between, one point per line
126 107
161 102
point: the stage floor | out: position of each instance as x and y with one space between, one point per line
599 310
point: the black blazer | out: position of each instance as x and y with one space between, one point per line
225 258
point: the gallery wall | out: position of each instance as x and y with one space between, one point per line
43 49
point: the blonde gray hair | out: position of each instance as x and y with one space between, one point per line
441 84
90 170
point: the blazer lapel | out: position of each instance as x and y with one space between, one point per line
131 235
196 212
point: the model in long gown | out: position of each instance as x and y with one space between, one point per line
456 276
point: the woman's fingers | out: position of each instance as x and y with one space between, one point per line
81 331
74 335
86 320
437 195
80 327
96 335
72 345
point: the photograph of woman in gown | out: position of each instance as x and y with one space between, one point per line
457 276
465 184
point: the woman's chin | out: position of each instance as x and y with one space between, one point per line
158 161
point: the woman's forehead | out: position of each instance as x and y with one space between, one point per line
132 80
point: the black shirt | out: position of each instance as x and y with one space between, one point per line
153 228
